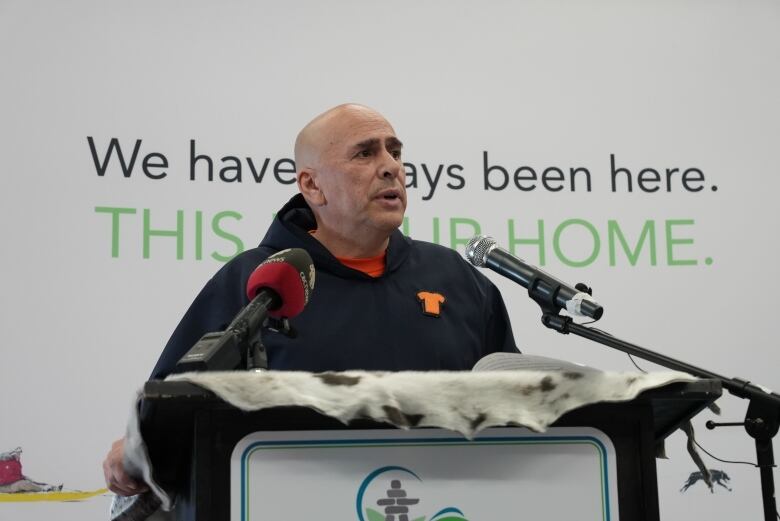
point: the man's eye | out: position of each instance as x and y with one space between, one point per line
364 153
396 154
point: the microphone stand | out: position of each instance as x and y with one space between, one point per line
763 413
256 354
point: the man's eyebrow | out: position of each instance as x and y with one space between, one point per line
393 142
368 143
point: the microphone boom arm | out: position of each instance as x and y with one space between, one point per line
762 418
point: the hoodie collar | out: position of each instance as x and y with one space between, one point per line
290 229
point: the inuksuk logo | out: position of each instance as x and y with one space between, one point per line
393 494
396 504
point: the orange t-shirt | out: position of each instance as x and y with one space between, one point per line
372 266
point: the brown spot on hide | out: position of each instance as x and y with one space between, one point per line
337 379
479 420
546 385
564 396
573 375
398 417
630 380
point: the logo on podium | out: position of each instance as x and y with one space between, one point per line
393 494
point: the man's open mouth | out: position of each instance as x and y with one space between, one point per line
389 195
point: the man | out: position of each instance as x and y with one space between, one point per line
381 301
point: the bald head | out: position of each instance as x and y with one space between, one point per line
328 129
351 174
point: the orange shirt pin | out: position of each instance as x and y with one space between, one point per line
431 302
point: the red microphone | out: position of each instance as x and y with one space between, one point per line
288 278
279 287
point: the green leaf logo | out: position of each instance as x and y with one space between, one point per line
373 515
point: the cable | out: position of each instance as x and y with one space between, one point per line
723 460
610 334
635 364
598 330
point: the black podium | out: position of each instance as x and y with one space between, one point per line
190 435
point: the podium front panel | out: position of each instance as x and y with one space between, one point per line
424 475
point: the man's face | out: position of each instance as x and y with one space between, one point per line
361 175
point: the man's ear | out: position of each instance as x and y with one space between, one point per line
308 186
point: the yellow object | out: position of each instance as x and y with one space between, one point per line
77 495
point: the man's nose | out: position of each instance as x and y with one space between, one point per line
390 167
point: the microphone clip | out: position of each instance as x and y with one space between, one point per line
282 326
257 355
581 286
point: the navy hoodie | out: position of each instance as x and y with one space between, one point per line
354 321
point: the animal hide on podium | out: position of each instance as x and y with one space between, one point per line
464 402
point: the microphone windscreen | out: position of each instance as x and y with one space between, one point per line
289 273
477 249
521 362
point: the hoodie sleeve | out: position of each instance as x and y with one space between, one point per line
214 308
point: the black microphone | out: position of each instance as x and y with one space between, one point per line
546 290
278 288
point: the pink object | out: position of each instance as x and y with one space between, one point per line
10 471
